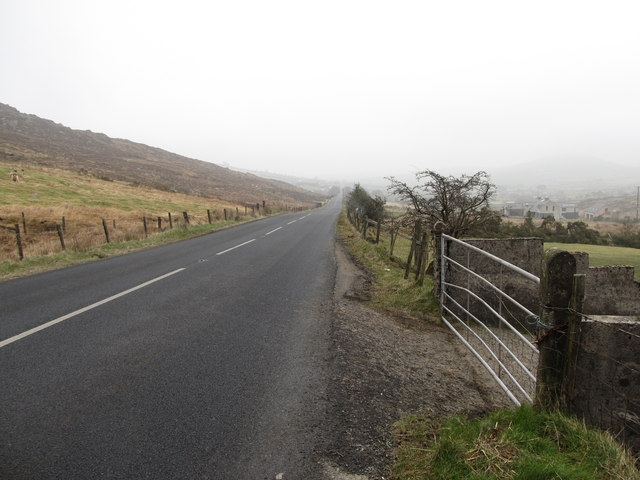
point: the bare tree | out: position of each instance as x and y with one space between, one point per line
461 203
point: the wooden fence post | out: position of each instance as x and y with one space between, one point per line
556 289
61 236
412 250
393 234
160 224
19 242
209 215
424 258
24 224
419 249
437 258
378 232
170 221
144 225
225 214
573 339
64 225
185 215
106 230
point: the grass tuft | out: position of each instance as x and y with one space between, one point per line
520 444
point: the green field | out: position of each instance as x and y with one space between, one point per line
600 255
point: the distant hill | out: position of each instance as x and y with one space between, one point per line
571 173
29 140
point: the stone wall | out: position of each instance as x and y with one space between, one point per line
606 391
606 387
610 290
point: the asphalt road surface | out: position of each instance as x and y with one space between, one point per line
203 359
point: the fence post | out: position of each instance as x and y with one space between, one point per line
556 289
424 258
24 224
416 233
378 232
393 234
64 225
106 229
365 225
185 215
170 221
209 215
225 214
572 342
439 250
61 236
19 242
144 225
419 249
160 224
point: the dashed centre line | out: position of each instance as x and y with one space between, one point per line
237 246
50 323
55 321
274 230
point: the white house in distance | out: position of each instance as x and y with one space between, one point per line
542 208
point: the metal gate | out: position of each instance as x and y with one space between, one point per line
497 328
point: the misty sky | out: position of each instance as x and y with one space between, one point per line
335 89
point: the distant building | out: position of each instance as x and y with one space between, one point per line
542 208
595 211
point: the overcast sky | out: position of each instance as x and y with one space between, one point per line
335 89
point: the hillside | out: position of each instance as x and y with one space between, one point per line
568 175
29 140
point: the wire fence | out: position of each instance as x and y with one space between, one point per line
32 237
407 241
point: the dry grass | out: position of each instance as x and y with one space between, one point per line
45 198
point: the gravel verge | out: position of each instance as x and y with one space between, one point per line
384 367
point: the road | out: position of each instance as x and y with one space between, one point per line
202 359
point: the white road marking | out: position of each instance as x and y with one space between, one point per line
269 233
292 221
22 335
237 246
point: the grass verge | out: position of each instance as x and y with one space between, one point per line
520 444
511 444
391 292
31 265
